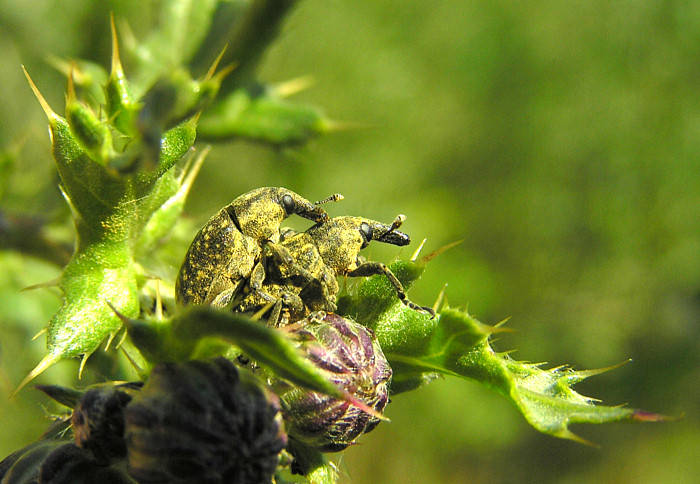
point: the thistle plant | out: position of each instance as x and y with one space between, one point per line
126 156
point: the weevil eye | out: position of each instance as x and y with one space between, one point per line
288 204
367 234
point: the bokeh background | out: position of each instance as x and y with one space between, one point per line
559 140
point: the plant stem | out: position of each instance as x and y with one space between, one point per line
251 36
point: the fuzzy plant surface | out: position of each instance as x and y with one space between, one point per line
126 156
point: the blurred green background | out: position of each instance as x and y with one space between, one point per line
559 140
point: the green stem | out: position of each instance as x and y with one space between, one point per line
251 36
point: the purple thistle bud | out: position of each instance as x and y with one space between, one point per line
203 422
352 359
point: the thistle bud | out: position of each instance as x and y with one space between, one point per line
203 422
98 420
69 464
352 359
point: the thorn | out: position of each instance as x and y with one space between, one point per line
568 434
117 68
265 308
41 285
497 330
121 340
363 406
644 416
219 76
39 334
420 247
440 299
193 170
70 90
597 371
439 251
82 366
50 113
294 86
506 353
137 368
109 340
45 363
215 64
332 126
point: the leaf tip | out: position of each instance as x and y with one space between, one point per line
417 251
43 365
567 434
439 251
50 113
644 416
117 69
363 406
294 86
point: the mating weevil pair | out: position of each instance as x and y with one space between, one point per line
241 258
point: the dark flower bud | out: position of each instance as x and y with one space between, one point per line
98 420
351 358
203 422
69 464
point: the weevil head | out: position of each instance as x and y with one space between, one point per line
340 239
260 212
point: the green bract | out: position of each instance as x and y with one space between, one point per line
120 211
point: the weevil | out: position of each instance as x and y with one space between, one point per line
227 250
302 270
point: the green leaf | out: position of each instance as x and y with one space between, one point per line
113 211
263 118
457 344
177 340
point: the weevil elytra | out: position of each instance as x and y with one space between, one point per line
227 249
321 254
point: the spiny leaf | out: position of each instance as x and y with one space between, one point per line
177 339
111 209
263 118
457 344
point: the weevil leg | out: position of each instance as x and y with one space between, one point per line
372 268
224 299
285 263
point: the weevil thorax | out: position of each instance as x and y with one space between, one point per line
340 240
259 213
